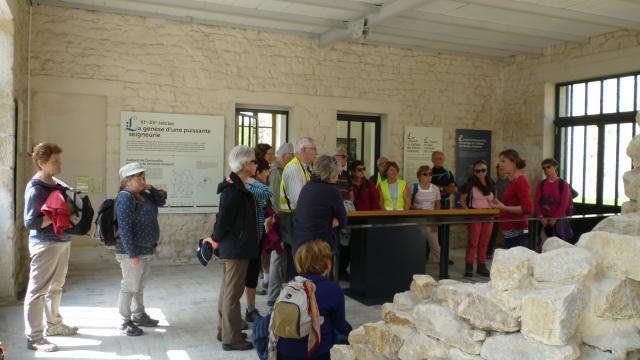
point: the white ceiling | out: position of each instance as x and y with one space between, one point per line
481 28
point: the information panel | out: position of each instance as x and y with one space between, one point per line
419 143
471 146
183 154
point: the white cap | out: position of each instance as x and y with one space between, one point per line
131 169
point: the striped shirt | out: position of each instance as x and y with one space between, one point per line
293 182
261 193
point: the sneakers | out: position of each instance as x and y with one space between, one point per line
130 329
41 345
250 316
61 330
468 270
219 336
261 291
481 269
240 345
145 320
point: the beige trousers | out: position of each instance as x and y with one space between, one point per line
47 274
231 289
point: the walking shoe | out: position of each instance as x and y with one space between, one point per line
468 270
250 316
130 329
261 291
481 269
240 345
41 345
219 336
61 330
145 320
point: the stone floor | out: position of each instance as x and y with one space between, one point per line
184 298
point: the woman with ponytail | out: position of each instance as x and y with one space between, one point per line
515 206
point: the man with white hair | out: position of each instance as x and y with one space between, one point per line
284 154
294 176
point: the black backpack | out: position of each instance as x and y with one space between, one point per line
81 209
107 224
81 212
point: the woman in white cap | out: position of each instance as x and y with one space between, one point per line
137 214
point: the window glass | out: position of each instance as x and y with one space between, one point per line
577 161
577 99
593 98
627 93
609 96
591 165
625 164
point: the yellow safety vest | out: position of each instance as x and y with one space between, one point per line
386 195
284 204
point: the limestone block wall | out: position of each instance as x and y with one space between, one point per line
13 80
158 65
528 91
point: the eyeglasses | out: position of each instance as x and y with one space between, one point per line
361 168
546 167
480 171
425 174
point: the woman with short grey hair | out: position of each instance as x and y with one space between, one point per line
235 233
325 168
320 209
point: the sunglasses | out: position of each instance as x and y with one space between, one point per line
425 174
479 171
361 169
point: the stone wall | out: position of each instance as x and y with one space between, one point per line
528 90
13 80
158 65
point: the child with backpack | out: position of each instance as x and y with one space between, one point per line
309 316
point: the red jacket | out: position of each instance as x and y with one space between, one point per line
365 196
56 209
518 193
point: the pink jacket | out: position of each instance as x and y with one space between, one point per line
56 209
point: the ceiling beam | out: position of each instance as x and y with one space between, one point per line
245 11
159 15
356 6
410 25
386 12
485 25
435 46
558 13
464 41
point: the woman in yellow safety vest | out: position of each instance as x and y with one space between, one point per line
394 192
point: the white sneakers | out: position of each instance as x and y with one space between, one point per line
41 345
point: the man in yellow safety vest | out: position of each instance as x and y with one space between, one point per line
294 176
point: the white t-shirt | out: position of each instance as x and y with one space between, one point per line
425 199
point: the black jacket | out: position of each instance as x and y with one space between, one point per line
319 202
236 227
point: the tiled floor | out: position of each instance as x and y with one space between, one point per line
183 297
